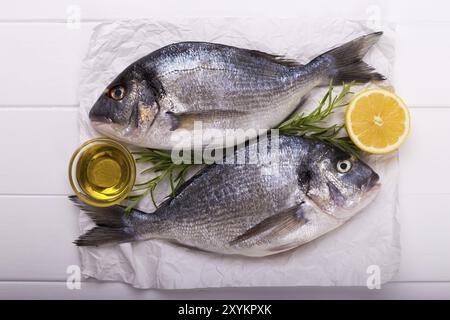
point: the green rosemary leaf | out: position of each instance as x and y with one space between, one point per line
312 124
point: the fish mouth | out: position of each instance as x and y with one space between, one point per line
344 213
104 126
375 187
370 195
98 120
374 182
117 131
370 190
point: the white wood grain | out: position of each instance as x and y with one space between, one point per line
107 290
47 59
399 10
418 11
41 141
36 237
132 9
421 65
425 156
38 246
40 63
424 221
36 147
49 135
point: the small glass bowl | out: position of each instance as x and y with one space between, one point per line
102 172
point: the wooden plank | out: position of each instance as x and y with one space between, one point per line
421 62
36 147
424 221
425 156
41 146
41 67
41 63
418 11
38 72
399 10
107 290
41 141
38 245
103 9
36 237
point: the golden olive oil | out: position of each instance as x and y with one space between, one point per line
103 172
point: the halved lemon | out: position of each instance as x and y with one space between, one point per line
377 121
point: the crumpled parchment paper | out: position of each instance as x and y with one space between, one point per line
340 258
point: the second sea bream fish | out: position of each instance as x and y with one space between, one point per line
250 209
158 100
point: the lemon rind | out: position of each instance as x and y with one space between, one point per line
354 137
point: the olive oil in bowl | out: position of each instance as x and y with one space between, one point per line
102 172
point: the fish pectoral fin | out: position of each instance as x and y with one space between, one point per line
277 225
186 120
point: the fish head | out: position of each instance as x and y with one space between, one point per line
337 182
127 107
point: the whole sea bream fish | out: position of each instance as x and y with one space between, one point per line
250 209
157 100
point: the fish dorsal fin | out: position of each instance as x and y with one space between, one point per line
275 226
276 58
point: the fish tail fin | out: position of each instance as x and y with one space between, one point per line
112 225
102 235
344 63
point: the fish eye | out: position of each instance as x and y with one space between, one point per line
117 93
344 166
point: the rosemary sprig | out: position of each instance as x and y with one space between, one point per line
312 125
163 168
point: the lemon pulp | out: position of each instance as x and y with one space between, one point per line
377 121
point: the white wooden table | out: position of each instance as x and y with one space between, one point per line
40 60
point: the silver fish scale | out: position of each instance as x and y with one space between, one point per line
205 76
173 89
252 209
226 200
